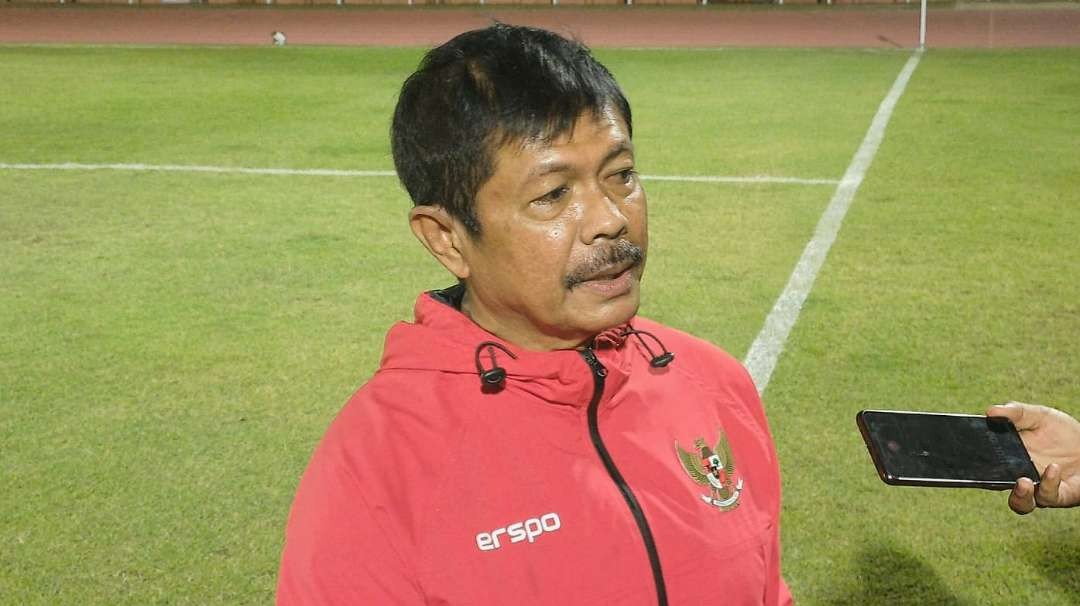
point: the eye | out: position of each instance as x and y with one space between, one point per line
552 196
624 180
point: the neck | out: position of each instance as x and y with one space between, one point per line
517 331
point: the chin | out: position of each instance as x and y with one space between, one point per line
609 314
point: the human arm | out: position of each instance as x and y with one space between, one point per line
1052 438
338 548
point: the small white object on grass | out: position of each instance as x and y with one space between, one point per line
278 38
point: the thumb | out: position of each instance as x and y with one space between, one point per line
1047 493
1022 498
1023 416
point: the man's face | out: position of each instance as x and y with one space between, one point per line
564 236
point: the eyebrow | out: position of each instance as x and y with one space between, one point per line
616 150
556 167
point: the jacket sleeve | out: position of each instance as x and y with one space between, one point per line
777 591
338 549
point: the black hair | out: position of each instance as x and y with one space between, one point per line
485 89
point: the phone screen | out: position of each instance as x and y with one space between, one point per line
935 449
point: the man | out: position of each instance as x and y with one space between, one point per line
528 440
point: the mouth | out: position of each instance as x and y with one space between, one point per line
610 282
611 272
612 266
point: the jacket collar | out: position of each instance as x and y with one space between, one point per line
443 339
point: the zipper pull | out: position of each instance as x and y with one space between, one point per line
590 359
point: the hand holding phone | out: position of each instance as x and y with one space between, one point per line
949 450
1052 437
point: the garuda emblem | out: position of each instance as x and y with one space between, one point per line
713 468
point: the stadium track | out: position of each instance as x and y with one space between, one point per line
647 27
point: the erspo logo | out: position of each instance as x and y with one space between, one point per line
529 530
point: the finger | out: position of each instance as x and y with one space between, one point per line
1047 494
1022 498
1023 416
1010 410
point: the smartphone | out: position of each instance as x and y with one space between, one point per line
939 449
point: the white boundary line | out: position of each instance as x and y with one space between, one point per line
330 172
319 172
769 343
749 180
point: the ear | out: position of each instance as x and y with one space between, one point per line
442 235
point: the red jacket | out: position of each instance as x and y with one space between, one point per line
588 478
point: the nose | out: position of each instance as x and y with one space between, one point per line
602 217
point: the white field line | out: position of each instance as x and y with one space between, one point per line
330 172
319 172
769 343
751 180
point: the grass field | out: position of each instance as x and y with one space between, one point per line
175 343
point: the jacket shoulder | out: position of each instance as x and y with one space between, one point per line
706 364
362 497
693 352
387 447
394 419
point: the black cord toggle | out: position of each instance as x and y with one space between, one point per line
656 360
494 377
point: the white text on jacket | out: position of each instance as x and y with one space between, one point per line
528 530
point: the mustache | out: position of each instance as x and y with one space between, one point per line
614 255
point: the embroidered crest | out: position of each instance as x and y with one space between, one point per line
713 468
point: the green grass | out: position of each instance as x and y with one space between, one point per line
954 284
175 344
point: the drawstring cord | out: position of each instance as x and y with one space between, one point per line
656 360
492 378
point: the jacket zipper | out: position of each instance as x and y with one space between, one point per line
599 374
